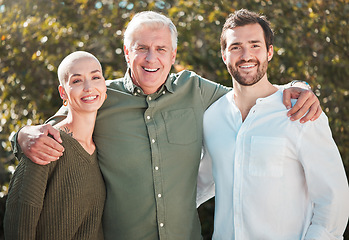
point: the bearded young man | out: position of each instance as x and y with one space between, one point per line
274 178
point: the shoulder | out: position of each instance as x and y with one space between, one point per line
222 104
187 77
116 84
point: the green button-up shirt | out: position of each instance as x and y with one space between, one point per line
149 150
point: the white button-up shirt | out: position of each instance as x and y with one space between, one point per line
274 178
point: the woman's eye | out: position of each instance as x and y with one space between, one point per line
76 80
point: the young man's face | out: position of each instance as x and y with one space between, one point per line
150 58
246 55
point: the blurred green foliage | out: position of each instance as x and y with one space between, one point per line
312 41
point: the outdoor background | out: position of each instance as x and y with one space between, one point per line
311 44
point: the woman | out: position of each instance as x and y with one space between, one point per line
64 199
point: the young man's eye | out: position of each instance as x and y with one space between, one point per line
96 78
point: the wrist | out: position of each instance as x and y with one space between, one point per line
301 84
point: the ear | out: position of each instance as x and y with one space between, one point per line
62 92
224 58
126 51
174 53
270 53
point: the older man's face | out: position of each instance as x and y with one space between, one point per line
150 58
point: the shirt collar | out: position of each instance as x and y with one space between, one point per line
132 88
271 98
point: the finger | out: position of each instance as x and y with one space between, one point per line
54 145
301 112
46 153
301 107
39 161
297 106
317 114
310 114
45 148
286 99
55 133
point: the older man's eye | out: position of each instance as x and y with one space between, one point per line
141 49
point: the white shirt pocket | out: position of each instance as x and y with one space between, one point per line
267 156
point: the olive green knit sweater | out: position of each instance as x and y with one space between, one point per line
62 200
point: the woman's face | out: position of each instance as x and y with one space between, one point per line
85 87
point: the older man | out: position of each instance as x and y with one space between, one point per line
149 136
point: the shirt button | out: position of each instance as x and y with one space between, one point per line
161 224
139 91
163 92
135 94
159 195
153 140
156 168
149 98
148 117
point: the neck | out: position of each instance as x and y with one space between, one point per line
80 126
245 96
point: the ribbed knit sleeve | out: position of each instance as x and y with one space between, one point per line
25 200
62 200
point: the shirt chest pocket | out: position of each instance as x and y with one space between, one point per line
267 156
180 126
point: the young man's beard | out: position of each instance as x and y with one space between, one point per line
248 80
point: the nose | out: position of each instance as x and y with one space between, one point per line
88 86
151 56
246 54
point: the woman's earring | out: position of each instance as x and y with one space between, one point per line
106 96
65 102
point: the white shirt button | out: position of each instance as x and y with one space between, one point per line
149 98
148 117
163 92
153 140
159 195
139 91
156 168
161 224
